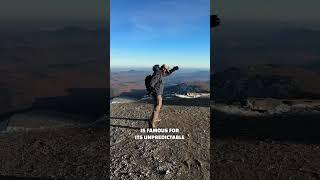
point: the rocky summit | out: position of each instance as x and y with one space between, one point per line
136 157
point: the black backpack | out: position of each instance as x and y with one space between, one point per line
147 82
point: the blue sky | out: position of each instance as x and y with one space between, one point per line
148 32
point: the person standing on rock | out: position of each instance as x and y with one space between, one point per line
157 86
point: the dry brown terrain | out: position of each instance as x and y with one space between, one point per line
65 153
279 146
242 159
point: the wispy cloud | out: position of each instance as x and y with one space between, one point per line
172 17
165 18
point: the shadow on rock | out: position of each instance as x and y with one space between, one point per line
283 127
200 102
131 119
87 102
123 120
126 127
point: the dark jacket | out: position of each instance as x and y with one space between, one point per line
156 82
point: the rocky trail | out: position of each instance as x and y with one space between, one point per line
158 158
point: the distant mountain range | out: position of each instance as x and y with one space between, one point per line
243 46
266 81
184 88
131 82
48 62
69 35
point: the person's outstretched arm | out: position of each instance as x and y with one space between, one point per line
172 70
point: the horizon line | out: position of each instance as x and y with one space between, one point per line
143 67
